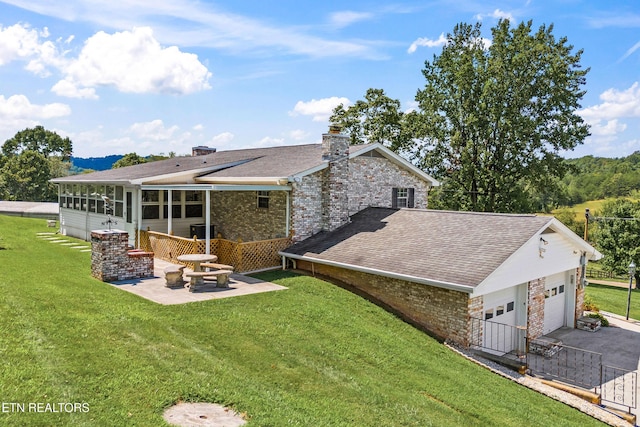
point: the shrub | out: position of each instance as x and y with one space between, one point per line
603 320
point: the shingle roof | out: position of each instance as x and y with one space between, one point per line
454 247
280 162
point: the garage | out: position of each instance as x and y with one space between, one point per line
500 317
554 302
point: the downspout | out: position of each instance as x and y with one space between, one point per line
207 209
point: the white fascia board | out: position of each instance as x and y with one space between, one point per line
245 180
390 155
250 187
421 280
558 226
188 187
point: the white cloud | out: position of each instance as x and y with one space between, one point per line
68 89
630 51
153 131
198 128
19 107
18 42
426 42
222 138
132 62
616 104
497 14
345 18
17 113
320 109
205 24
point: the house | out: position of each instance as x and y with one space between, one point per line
460 275
249 195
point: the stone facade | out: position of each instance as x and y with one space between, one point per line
335 186
535 308
371 179
579 309
306 206
111 259
236 215
443 312
476 309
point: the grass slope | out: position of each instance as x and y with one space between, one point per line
312 355
614 299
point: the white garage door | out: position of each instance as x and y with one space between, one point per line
554 302
499 310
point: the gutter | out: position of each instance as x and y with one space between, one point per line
430 282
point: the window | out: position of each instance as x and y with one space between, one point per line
193 204
263 199
88 198
402 198
500 310
150 204
510 306
488 314
561 289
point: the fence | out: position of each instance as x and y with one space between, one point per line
599 274
584 369
497 338
243 256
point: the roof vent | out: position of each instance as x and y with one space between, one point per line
202 150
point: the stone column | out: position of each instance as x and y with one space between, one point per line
107 250
335 200
535 308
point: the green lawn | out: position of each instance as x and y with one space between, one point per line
614 299
312 355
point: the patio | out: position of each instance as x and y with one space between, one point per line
154 289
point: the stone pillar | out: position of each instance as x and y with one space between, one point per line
579 311
535 308
111 259
475 333
107 250
335 200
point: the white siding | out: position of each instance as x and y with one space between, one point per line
559 254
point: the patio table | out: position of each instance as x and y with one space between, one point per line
197 259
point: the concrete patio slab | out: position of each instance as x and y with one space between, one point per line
154 289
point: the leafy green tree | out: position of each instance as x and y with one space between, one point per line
377 118
618 235
25 177
492 121
29 160
129 160
38 139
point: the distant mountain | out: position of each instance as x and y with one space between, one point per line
95 163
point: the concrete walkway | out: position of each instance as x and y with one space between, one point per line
154 289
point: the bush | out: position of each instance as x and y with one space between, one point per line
603 320
589 305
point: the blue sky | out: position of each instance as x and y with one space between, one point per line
158 77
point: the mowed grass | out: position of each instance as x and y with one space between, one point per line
312 355
613 299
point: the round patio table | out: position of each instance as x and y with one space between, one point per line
197 259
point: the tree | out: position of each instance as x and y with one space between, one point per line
129 160
25 177
377 118
492 121
41 140
29 160
618 235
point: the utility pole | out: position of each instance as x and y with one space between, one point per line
586 224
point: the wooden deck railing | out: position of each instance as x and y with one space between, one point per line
243 256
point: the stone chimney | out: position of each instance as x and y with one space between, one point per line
202 150
335 199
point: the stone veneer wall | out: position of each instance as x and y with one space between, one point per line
443 312
306 206
579 297
535 308
111 260
236 215
335 186
372 178
476 307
